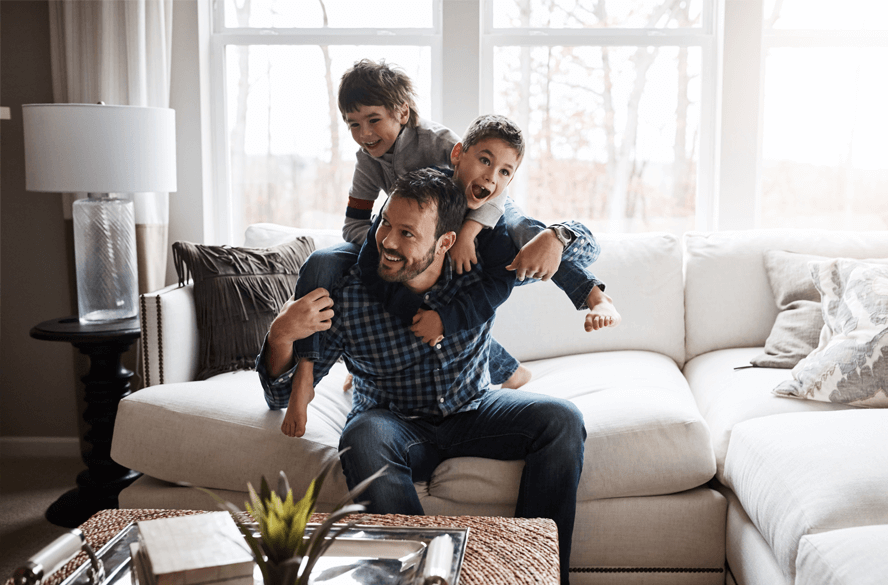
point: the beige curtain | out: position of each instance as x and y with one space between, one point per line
118 52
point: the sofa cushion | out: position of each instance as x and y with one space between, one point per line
645 435
237 294
804 473
219 433
850 365
727 397
851 556
728 301
643 273
643 276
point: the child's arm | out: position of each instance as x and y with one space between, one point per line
366 184
463 254
476 303
541 256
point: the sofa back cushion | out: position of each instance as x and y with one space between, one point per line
728 300
643 275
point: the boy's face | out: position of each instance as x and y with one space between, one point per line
484 169
375 128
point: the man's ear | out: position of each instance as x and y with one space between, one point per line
445 242
455 154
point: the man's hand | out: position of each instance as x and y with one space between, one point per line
297 320
462 254
300 318
539 258
428 326
301 393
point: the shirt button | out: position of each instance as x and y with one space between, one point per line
427 297
438 346
441 400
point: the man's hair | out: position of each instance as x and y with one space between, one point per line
494 126
431 185
368 83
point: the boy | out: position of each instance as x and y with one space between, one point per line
483 165
376 101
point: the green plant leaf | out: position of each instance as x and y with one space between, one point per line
358 489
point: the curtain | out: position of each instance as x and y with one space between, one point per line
118 53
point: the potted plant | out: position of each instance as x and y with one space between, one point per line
284 554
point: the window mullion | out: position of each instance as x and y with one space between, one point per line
461 76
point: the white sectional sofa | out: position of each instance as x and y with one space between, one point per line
675 479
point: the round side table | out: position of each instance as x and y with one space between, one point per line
106 383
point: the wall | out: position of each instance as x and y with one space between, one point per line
37 386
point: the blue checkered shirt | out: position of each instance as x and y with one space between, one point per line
391 367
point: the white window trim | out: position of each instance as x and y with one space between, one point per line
462 85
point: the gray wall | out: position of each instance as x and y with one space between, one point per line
37 378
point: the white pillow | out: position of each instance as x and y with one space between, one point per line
850 364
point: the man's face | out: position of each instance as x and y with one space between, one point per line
483 170
406 239
375 128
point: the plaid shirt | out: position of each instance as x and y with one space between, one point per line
393 368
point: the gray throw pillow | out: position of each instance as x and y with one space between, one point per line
796 331
237 294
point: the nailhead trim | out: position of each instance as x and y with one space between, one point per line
146 362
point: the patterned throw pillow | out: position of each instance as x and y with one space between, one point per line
237 294
850 364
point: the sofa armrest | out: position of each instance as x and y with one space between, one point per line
169 335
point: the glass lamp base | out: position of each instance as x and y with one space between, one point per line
105 257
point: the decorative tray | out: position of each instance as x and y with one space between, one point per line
371 555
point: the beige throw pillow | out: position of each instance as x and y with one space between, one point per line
850 363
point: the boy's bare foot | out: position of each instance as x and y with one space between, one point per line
602 312
347 385
295 419
521 377
602 315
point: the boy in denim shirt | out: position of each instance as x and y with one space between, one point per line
376 101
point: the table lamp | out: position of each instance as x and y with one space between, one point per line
103 151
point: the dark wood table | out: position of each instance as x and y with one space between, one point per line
107 382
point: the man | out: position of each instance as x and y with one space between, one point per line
415 405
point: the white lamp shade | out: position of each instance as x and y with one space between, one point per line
99 149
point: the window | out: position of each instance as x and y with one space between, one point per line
825 86
617 99
612 96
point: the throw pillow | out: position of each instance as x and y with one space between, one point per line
237 294
850 364
796 330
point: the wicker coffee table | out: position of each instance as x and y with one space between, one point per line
511 551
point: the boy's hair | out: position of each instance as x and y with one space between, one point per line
431 185
368 83
494 126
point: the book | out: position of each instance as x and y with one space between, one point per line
193 550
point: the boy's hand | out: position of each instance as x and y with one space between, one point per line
428 326
462 254
539 258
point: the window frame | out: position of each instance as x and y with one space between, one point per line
462 41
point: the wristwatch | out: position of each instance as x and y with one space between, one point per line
563 233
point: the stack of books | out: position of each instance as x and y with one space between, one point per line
204 549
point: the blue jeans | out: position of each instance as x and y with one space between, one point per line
575 280
325 267
546 432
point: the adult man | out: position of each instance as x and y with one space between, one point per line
416 405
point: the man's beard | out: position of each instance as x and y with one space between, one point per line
409 270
